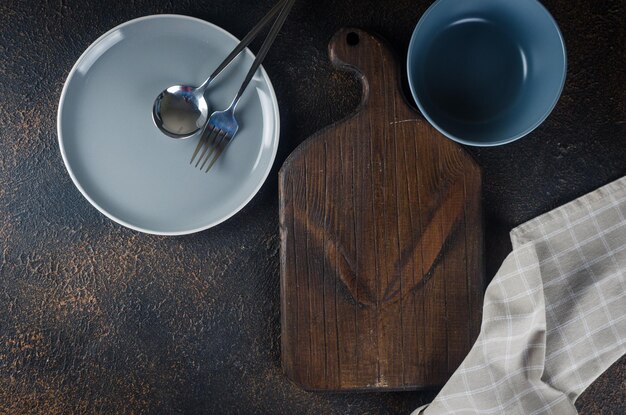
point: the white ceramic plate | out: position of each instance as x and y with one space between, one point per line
124 165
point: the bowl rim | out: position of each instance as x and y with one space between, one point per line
508 140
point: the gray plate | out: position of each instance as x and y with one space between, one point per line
120 161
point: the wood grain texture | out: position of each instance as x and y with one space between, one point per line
381 242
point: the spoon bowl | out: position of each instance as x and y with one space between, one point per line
180 111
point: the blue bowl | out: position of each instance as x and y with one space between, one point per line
486 72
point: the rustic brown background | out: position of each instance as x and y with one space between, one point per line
95 318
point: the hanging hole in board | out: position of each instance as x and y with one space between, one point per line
352 39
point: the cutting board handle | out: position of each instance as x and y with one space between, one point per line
368 56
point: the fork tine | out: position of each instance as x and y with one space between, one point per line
204 141
208 144
225 142
215 144
203 138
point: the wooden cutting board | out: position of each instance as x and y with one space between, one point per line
381 242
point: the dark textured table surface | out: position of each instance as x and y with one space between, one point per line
95 318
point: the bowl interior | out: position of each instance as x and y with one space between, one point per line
486 72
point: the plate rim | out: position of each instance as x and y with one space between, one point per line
122 222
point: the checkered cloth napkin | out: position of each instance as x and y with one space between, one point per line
554 316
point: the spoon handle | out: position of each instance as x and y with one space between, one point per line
267 44
245 42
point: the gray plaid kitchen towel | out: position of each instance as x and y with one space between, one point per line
554 316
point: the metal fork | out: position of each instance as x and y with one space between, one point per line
222 126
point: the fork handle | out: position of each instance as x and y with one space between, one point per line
245 42
267 44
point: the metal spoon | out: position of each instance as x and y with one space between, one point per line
181 110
